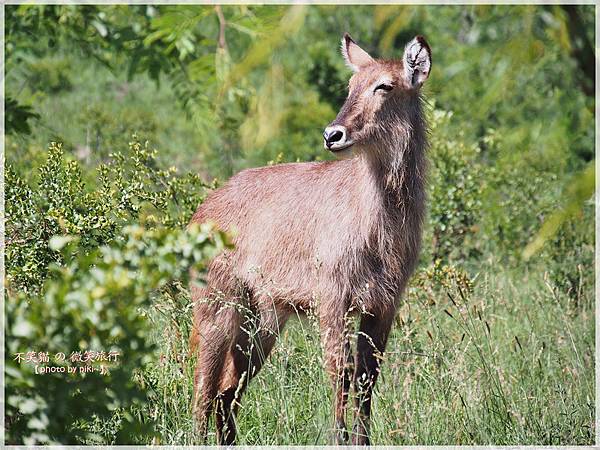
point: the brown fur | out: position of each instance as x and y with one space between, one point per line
339 238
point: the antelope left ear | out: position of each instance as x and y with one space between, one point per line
417 62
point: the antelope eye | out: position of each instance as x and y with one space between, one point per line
384 87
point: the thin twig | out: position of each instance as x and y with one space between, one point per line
222 43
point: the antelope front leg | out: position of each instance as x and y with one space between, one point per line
371 340
339 362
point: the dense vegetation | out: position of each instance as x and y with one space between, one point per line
495 341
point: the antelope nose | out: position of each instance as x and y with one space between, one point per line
333 135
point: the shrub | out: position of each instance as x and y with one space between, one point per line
128 189
96 302
49 74
455 190
85 260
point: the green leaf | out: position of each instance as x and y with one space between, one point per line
56 243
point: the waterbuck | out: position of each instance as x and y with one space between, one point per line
338 238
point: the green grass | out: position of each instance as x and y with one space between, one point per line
510 363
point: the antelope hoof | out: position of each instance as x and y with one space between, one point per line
341 433
360 437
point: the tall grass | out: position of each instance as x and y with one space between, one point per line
506 359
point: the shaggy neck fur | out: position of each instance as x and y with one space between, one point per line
396 160
395 193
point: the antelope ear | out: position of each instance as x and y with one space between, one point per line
355 57
417 62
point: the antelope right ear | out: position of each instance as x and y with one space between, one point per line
354 56
417 62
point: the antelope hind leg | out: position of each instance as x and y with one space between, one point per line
371 342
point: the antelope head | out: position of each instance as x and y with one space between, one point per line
379 91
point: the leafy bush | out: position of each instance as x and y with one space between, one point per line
96 302
81 275
50 74
128 190
456 180
479 203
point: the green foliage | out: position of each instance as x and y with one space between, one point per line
569 256
50 75
501 357
456 187
96 302
579 192
128 190
81 278
105 129
17 117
